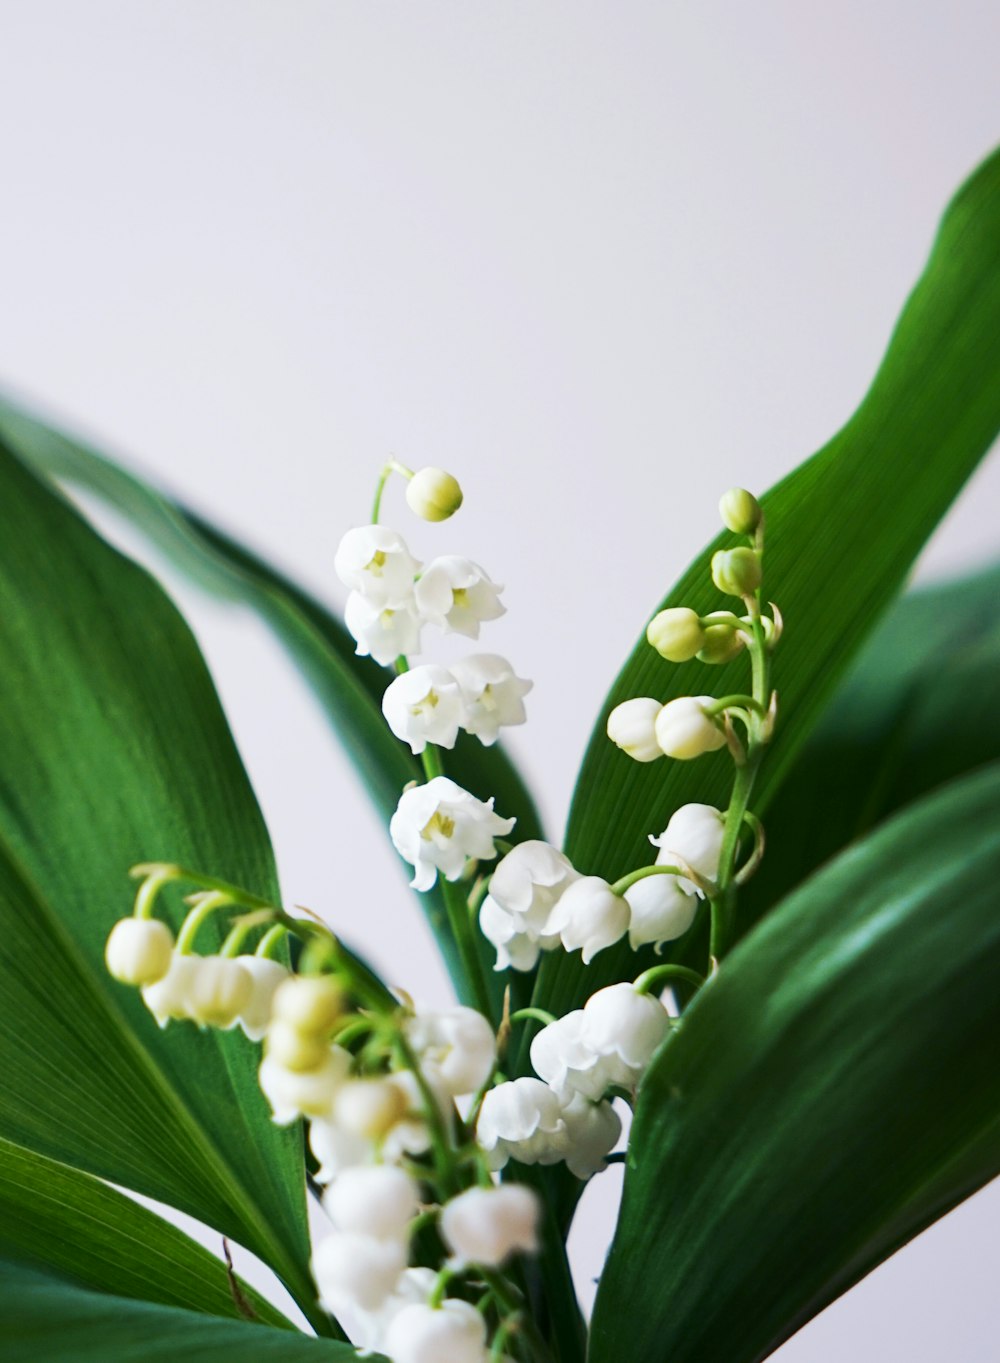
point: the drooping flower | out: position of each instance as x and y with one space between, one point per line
694 835
487 1225
623 1025
425 705
521 1120
632 727
592 1132
589 917
569 1065
456 1048
309 1093
528 883
439 827
457 595
266 977
454 1332
169 998
660 910
685 731
139 950
378 1200
357 1270
516 949
493 696
220 990
374 562
384 632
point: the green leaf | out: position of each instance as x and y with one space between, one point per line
115 750
917 709
46 1320
829 1095
53 1217
348 687
842 532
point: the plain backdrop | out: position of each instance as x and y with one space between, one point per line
600 259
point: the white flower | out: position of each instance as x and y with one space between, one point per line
694 834
492 694
378 1200
433 494
309 1094
424 706
621 1024
170 997
456 1048
455 1332
139 950
632 726
385 632
592 1132
369 1107
265 976
220 990
375 562
660 910
456 594
356 1270
570 1065
487 1225
589 916
684 731
529 881
521 1120
439 826
515 949
336 1148
415 1285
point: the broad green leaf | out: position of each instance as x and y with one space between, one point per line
830 1094
55 1218
917 709
842 532
115 750
349 688
47 1320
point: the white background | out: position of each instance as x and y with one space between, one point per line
601 260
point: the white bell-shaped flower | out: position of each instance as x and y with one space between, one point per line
265 978
374 562
414 1285
456 594
378 1200
632 727
660 910
220 990
456 1048
356 1270
487 1225
454 1332
170 997
439 827
694 834
492 695
424 706
561 1056
589 917
337 1149
139 950
619 1022
592 1132
306 1094
685 731
521 1120
515 949
384 632
528 883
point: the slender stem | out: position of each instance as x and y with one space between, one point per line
198 915
390 467
633 877
271 941
539 1015
668 971
146 896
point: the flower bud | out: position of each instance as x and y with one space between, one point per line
676 634
139 950
455 1332
220 990
433 494
772 632
589 916
369 1107
377 1200
487 1225
310 1003
722 644
306 1094
740 511
737 572
294 1049
684 731
632 726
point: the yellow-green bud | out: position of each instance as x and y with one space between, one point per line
433 494
310 1003
722 643
740 511
139 950
676 634
771 633
737 572
220 989
369 1107
294 1049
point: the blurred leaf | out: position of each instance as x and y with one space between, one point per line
843 530
53 1217
830 1094
115 750
348 687
46 1320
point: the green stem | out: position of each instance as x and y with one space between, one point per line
668 971
626 882
198 915
539 1014
390 467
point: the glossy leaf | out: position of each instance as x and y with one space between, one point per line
115 750
349 688
829 1095
842 532
46 1320
55 1218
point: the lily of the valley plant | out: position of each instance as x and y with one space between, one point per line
801 1023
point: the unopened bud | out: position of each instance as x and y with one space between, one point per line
676 634
632 726
309 1003
722 644
139 950
772 632
684 730
433 494
740 511
220 990
294 1049
737 572
369 1107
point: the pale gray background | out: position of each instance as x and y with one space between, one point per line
601 260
